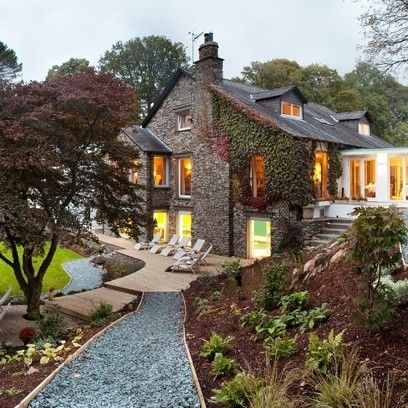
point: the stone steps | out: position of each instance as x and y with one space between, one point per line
332 229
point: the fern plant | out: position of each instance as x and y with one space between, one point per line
215 344
222 365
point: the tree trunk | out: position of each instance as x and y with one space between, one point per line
33 295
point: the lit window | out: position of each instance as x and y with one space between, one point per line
396 178
160 171
184 121
184 224
258 176
363 129
320 171
133 172
185 177
355 179
259 240
161 224
290 109
369 178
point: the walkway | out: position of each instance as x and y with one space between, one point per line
153 276
140 362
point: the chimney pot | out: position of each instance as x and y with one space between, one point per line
208 37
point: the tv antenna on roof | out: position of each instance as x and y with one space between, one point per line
194 38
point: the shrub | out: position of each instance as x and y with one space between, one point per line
398 289
215 344
378 313
222 365
52 324
101 313
27 335
118 266
280 347
229 266
314 317
294 301
375 238
322 353
253 318
276 279
239 391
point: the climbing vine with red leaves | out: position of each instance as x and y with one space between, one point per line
244 133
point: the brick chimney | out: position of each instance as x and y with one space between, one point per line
209 65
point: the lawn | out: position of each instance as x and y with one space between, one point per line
55 277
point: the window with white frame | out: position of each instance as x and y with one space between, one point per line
184 177
184 120
160 171
291 109
364 129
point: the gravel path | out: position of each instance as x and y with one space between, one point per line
84 275
140 362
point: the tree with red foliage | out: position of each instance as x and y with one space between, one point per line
60 155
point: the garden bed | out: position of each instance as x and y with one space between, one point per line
385 352
15 384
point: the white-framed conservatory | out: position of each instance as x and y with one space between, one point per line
372 177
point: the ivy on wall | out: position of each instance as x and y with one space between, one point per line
335 169
288 161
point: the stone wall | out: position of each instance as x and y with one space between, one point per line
209 200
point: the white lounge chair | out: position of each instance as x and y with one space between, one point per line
188 263
147 245
194 251
181 245
172 244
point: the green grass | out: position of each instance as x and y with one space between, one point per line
55 276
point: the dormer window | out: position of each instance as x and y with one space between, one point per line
364 129
184 121
292 110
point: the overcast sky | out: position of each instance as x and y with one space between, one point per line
48 32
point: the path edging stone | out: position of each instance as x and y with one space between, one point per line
28 398
190 360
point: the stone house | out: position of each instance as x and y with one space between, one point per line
191 185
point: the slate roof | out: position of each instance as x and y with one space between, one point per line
274 93
146 140
319 122
350 115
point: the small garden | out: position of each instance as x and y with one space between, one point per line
327 332
48 343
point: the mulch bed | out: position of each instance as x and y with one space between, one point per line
13 375
337 286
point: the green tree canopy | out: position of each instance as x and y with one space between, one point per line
146 64
71 67
10 68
